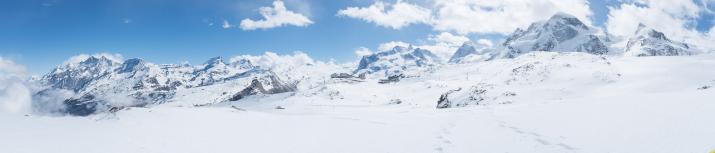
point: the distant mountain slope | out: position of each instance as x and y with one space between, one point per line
649 42
561 33
101 83
396 60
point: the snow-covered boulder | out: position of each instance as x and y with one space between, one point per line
649 42
561 33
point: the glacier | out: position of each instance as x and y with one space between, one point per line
557 86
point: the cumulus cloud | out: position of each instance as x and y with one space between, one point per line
15 95
396 16
82 57
392 44
468 16
362 51
504 16
624 19
275 16
444 44
226 24
485 42
274 61
674 18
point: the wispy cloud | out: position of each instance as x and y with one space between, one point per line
15 96
225 24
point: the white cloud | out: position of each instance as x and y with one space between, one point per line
448 38
398 15
390 45
15 96
362 51
275 16
485 42
468 16
8 68
674 18
82 57
624 20
444 44
504 16
225 24
274 61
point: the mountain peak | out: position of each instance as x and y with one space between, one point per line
560 19
646 31
650 42
561 33
215 60
131 65
562 15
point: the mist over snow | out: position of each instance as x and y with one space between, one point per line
15 95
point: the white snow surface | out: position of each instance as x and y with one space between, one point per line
539 102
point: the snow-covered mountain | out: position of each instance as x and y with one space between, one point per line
649 42
101 84
397 60
470 51
75 76
561 33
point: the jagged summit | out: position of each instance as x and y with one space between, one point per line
396 60
649 42
98 81
131 65
561 33
470 51
75 75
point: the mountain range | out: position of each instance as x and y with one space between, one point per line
103 84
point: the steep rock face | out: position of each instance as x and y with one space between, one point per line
270 84
396 60
649 42
561 33
100 83
469 51
76 76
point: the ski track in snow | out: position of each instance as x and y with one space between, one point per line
541 139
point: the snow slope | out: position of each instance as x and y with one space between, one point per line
537 102
561 33
649 42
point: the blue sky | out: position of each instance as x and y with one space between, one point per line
43 33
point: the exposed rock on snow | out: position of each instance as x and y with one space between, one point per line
76 76
101 83
257 87
561 33
549 72
709 85
649 42
391 79
341 75
397 60
474 95
470 52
